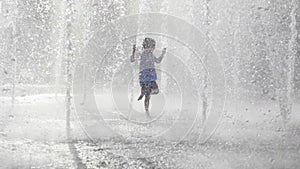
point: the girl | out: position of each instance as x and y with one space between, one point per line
147 73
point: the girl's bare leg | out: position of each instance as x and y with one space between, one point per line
147 100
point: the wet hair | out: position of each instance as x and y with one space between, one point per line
148 43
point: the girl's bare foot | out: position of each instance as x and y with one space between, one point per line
147 113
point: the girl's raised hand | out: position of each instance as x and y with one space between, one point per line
164 51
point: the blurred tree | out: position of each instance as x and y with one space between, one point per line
297 58
261 74
69 37
206 24
9 23
283 52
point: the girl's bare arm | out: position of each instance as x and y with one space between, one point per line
158 60
132 58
